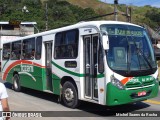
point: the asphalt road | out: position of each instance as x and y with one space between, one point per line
32 100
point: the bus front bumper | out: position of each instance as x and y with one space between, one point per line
115 96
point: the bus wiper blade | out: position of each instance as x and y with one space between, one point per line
129 59
141 53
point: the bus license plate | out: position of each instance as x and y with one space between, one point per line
143 93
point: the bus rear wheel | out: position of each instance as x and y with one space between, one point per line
69 95
16 83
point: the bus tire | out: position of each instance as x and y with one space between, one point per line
69 95
16 83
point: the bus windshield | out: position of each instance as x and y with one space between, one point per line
130 50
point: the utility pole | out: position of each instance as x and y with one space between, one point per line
115 9
46 16
130 13
127 14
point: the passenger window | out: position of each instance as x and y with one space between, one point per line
100 60
6 51
38 48
66 44
28 50
16 50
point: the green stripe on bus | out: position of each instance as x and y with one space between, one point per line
73 73
100 75
56 84
68 71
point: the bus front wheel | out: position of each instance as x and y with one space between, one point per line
16 83
69 95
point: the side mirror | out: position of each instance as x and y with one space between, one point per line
105 40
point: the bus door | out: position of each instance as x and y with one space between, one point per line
90 65
48 58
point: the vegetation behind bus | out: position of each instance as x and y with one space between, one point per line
61 13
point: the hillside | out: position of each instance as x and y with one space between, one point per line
95 4
99 7
140 15
58 13
65 12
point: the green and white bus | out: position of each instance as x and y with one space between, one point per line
105 62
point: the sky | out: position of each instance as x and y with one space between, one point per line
154 3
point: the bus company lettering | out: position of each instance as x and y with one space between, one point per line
134 80
147 79
26 68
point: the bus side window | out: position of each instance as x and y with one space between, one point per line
6 51
38 48
28 49
100 60
58 44
16 50
66 44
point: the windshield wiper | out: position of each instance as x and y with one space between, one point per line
141 53
128 57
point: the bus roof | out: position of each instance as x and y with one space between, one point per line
77 25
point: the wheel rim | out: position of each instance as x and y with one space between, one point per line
69 96
15 83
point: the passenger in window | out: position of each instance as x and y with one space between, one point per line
38 56
6 53
13 55
64 52
23 55
32 53
70 51
19 54
57 52
6 56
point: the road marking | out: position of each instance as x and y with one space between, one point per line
153 102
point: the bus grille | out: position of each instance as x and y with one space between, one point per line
138 84
133 85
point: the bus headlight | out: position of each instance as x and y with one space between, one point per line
116 83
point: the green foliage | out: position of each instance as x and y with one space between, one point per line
61 13
154 15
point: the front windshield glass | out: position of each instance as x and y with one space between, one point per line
130 49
